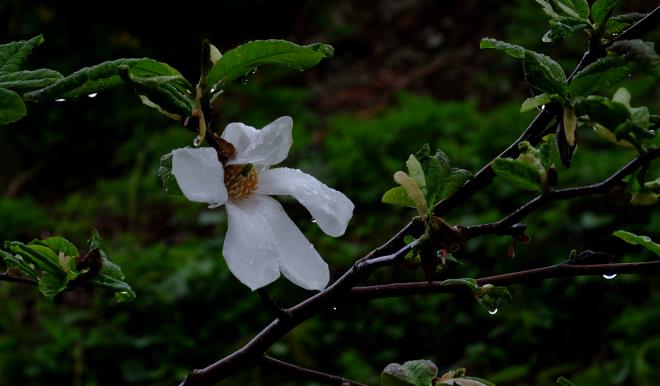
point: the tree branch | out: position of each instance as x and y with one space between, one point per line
531 275
308 374
16 279
556 195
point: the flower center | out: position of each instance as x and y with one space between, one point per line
240 180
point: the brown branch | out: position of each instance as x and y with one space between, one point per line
602 187
16 279
307 374
531 275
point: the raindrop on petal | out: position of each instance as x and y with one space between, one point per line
92 95
493 311
60 100
609 277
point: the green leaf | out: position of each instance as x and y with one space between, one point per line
469 282
573 8
479 382
641 52
602 110
536 101
456 178
94 241
518 173
51 285
511 49
162 87
548 151
122 290
110 269
491 297
398 196
544 74
634 239
166 176
23 81
17 262
415 373
245 58
617 24
602 9
416 173
564 382
12 107
601 74
12 55
87 80
564 27
42 257
59 244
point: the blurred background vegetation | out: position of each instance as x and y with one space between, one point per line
404 73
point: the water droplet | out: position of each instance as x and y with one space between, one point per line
609 277
254 71
493 311
212 90
542 107
334 308
60 100
197 140
93 95
314 220
245 81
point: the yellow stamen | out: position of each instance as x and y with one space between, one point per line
240 180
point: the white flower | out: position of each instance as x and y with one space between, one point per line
262 241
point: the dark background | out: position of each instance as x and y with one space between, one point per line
404 73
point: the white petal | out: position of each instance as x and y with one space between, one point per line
200 175
265 147
299 261
249 250
330 208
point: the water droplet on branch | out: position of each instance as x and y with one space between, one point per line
60 100
609 277
93 95
314 220
493 311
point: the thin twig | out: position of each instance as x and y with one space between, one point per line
308 374
16 279
531 275
559 194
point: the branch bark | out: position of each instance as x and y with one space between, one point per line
531 275
308 374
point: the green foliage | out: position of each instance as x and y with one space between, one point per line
431 175
14 81
603 73
411 373
166 177
530 169
634 239
56 264
12 107
564 382
602 9
160 86
244 59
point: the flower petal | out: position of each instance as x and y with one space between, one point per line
249 247
265 147
299 261
330 208
200 175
